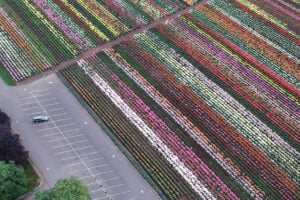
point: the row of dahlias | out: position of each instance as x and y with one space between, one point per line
65 23
258 48
185 123
227 166
19 65
253 68
213 99
161 129
159 169
148 133
249 21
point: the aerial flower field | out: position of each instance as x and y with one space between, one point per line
40 34
207 103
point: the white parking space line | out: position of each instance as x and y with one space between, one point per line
54 109
107 188
69 158
73 164
66 125
35 113
39 90
72 150
47 105
22 98
45 129
77 129
25 109
57 115
72 136
94 159
68 144
88 154
48 135
23 104
113 195
65 119
103 173
84 177
43 100
98 166
55 140
42 95
109 179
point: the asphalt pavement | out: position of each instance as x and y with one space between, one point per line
70 143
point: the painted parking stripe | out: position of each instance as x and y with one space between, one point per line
22 98
42 95
54 109
72 136
50 134
65 119
31 108
67 144
113 195
73 164
69 158
58 114
55 140
77 129
45 129
35 113
43 100
107 188
47 105
23 104
103 173
39 90
66 125
94 159
72 150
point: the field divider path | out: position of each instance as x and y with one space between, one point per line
112 43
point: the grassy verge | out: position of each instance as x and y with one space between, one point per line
31 176
6 78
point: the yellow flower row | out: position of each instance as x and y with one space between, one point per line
85 20
266 15
51 27
232 54
106 18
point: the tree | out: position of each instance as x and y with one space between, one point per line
12 180
65 189
4 119
11 148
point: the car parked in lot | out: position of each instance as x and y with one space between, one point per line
40 118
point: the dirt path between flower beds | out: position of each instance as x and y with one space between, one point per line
109 44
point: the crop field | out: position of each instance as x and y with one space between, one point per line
208 103
39 34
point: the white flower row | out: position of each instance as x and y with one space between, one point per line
188 126
147 132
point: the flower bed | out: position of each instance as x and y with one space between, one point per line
58 30
215 95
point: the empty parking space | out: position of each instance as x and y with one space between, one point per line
66 141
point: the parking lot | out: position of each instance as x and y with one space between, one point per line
70 146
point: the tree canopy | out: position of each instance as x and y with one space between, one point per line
13 180
11 148
65 189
